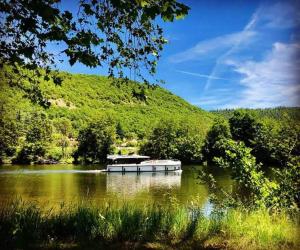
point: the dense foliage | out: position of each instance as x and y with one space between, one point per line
255 144
96 141
281 192
273 142
243 127
8 136
220 130
37 137
172 139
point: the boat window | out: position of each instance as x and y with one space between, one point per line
128 161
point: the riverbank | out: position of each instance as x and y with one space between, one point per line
147 226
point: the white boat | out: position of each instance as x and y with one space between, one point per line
140 163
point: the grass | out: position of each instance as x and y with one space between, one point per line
127 226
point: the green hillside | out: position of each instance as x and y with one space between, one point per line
83 98
134 108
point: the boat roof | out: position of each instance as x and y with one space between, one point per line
115 157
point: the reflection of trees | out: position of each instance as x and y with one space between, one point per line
191 189
91 186
48 188
54 188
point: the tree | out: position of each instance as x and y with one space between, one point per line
121 34
243 126
96 141
38 137
8 136
220 130
276 145
120 131
264 145
173 139
64 126
281 192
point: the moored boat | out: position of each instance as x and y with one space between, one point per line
140 163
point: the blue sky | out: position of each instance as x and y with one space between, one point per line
229 54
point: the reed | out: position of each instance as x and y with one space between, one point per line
28 225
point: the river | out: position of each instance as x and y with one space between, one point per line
51 185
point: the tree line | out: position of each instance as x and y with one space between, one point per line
32 137
262 156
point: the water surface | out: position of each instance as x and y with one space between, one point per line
53 184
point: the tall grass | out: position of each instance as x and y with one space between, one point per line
27 225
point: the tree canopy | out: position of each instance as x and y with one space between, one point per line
96 141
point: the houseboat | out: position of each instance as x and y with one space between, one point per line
140 163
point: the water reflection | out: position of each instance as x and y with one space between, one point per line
133 183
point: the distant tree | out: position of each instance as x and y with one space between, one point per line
140 94
220 130
264 145
8 136
64 127
96 141
286 144
120 131
173 140
38 137
276 144
243 126
120 34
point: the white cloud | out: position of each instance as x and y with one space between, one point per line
267 82
281 15
273 81
210 46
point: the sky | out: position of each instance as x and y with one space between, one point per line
230 54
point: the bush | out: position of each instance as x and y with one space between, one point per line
281 192
55 153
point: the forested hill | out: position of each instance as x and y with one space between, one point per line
89 110
278 113
83 98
